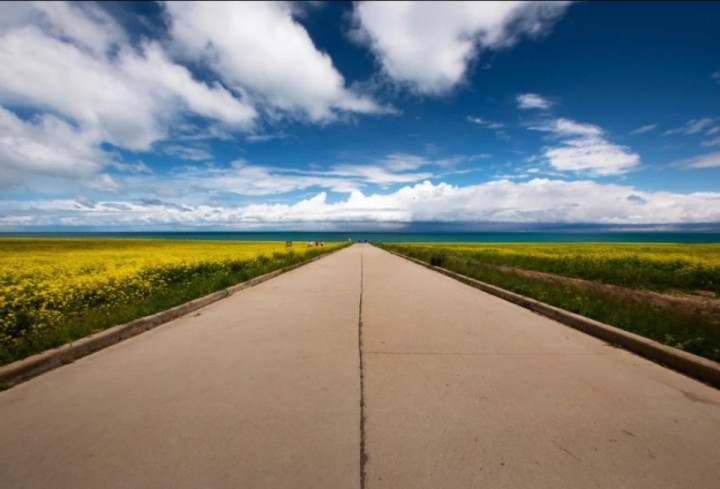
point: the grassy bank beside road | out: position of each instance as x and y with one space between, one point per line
53 291
668 293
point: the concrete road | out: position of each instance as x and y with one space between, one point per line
260 390
267 389
464 390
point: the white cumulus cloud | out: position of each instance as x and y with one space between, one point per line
171 81
584 148
74 65
644 129
46 146
693 126
429 45
532 101
709 160
85 23
93 92
485 123
58 58
258 49
243 178
535 201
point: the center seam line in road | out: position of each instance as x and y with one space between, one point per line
363 452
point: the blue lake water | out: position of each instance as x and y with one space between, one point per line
428 237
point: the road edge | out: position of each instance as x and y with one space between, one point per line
20 371
694 366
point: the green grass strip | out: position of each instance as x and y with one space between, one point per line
656 266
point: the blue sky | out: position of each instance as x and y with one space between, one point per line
247 116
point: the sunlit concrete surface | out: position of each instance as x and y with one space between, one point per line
291 384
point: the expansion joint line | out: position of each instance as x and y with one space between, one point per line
363 451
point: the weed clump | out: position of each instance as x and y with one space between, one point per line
437 258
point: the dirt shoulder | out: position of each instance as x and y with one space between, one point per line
688 303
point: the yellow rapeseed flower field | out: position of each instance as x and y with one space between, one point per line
704 254
46 282
646 265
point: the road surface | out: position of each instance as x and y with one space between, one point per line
360 370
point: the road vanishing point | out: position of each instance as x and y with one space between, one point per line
361 370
